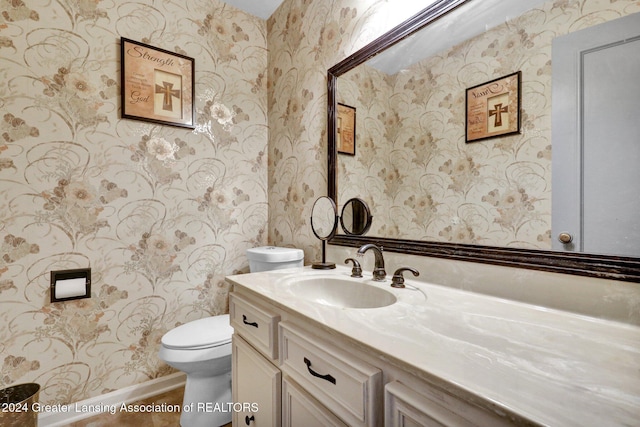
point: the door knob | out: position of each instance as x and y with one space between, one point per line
565 238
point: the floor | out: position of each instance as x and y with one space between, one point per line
158 419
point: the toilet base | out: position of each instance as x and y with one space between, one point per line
207 401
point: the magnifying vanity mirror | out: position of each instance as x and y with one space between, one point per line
324 222
489 200
355 218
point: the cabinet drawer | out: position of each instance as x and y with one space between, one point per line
350 388
256 324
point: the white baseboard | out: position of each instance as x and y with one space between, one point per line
67 414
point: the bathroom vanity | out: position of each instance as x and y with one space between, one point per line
313 348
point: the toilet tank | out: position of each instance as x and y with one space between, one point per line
266 258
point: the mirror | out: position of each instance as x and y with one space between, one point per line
528 242
356 217
324 222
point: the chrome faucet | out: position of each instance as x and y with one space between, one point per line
378 271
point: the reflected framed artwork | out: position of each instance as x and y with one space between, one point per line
346 129
156 85
493 108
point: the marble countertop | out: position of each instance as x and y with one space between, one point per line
550 366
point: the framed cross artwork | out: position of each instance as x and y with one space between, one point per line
493 108
156 85
346 129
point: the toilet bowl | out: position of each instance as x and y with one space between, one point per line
202 350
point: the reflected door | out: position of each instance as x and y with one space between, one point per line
596 139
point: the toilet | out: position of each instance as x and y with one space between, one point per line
202 350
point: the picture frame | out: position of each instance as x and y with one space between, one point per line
346 129
493 108
156 85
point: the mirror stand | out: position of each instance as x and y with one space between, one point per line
324 265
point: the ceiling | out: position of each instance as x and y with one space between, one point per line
478 17
260 8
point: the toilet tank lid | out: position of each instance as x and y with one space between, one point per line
274 254
202 333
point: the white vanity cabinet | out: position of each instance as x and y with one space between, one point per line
313 377
348 390
256 381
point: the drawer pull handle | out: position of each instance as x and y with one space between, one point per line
315 374
247 419
244 320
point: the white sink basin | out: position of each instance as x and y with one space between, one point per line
339 292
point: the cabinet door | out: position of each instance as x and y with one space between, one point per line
256 387
300 409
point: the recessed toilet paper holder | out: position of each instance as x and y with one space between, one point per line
69 285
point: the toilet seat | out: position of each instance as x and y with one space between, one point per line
199 334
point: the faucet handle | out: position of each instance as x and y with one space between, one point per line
397 281
356 271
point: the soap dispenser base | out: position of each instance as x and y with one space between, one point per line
323 265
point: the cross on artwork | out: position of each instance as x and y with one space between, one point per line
498 113
168 92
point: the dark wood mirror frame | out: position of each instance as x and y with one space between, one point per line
601 266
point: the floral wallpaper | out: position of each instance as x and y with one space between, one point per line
306 38
412 164
161 214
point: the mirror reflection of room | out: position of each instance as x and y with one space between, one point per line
413 166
